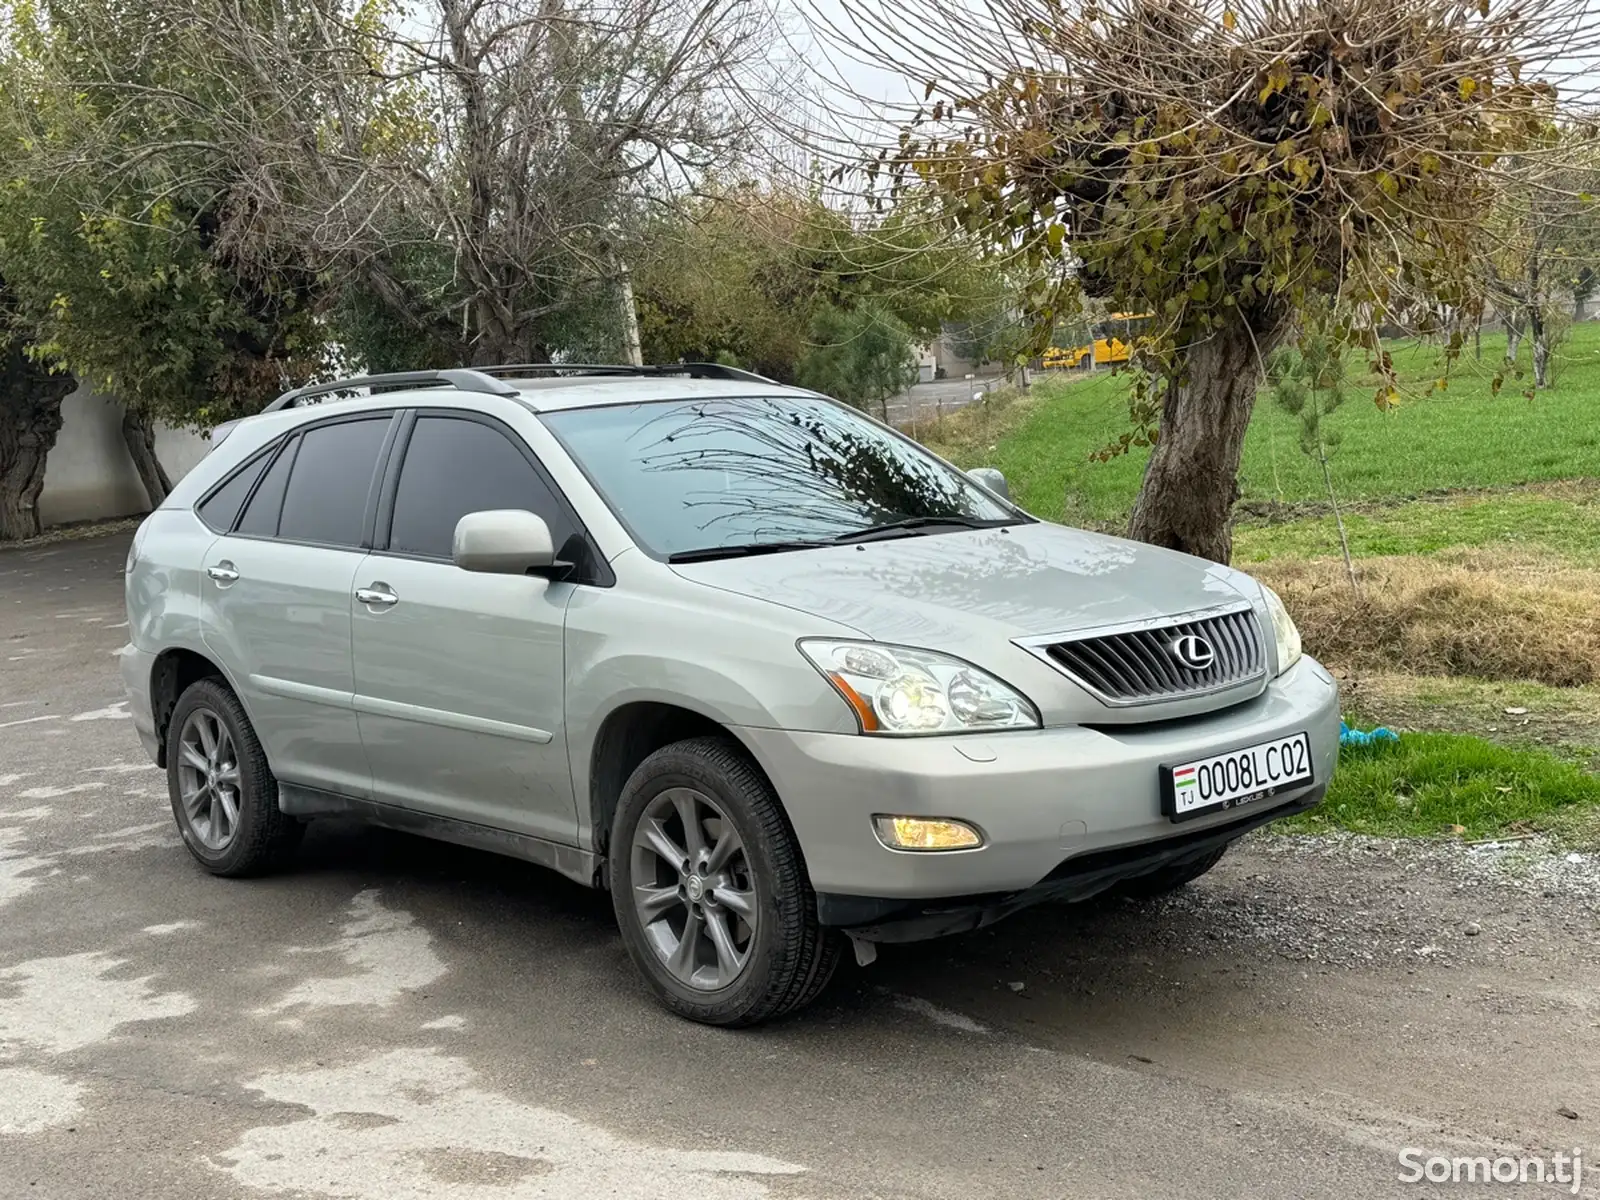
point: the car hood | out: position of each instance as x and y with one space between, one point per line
955 591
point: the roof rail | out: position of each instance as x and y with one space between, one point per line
459 378
694 370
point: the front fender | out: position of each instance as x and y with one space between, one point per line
622 650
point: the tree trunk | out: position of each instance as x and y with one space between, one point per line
628 312
496 346
30 418
140 435
1338 517
19 512
1541 349
1192 479
1513 339
1536 326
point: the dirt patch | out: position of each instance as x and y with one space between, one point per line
1509 713
1487 614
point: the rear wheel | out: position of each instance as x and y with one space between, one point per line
1169 879
710 891
224 796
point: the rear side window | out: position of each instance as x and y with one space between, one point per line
455 467
326 501
261 514
221 508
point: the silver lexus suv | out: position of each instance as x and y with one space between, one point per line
777 677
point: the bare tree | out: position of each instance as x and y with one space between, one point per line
1545 245
1217 165
471 172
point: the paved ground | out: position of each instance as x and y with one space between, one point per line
398 1020
928 400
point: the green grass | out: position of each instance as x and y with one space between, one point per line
1568 525
1461 437
1443 783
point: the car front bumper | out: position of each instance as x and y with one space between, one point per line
1065 812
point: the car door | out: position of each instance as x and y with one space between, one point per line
459 676
277 592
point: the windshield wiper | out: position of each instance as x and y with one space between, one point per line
913 526
907 527
711 553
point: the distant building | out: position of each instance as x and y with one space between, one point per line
939 360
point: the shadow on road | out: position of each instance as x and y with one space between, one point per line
1077 964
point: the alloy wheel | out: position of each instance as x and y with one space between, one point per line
693 889
208 779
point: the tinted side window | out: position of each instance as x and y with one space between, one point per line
327 497
455 467
220 509
261 516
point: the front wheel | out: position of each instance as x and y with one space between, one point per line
710 891
224 795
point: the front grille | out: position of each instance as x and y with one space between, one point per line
1142 666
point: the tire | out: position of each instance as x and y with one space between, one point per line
258 837
788 957
1168 879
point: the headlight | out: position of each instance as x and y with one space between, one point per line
894 690
1283 630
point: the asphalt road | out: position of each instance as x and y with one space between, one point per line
925 401
396 1019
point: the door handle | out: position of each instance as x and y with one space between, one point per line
378 595
223 572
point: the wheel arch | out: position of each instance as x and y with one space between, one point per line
630 733
174 670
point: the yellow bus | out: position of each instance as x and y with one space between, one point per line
1113 339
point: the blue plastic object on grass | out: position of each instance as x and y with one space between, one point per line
1357 737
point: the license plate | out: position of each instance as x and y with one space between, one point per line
1236 778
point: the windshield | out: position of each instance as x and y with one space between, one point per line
696 474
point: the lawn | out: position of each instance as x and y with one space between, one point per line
1462 436
1563 518
1433 783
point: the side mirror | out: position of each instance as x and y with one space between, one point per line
504 541
993 480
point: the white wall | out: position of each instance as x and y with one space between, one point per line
89 475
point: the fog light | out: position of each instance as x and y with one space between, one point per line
925 833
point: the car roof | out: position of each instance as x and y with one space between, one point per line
475 392
589 391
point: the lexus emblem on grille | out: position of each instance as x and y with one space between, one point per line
1193 651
